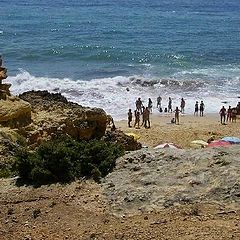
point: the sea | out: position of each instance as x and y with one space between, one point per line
107 53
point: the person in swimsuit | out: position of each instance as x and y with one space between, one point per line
182 106
177 112
201 108
129 117
196 109
222 113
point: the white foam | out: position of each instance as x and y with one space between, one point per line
111 93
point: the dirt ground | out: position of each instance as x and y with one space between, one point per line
80 211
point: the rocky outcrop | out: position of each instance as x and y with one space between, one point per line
53 114
128 142
14 112
155 179
4 88
8 142
3 73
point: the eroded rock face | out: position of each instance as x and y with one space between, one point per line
3 73
151 179
14 112
52 114
128 143
4 88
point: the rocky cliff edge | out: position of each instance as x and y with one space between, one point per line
147 180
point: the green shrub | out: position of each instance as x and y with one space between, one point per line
64 159
21 140
7 167
5 172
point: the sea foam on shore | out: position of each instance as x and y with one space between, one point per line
115 95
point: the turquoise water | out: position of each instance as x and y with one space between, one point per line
92 50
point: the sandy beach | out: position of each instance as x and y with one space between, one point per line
190 128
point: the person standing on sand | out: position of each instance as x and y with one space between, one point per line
139 105
169 104
146 115
129 118
229 114
238 108
177 112
201 108
182 106
150 104
222 113
137 119
196 109
159 103
234 114
143 116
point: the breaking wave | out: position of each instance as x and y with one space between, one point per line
115 95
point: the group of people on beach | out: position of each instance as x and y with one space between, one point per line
169 106
230 114
199 107
178 110
143 112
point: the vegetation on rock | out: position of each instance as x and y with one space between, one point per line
65 159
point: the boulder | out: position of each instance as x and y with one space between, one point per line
14 112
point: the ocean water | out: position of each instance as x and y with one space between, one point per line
92 51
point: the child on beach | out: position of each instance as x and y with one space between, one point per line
129 118
173 120
177 111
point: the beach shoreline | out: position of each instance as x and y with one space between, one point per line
190 128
